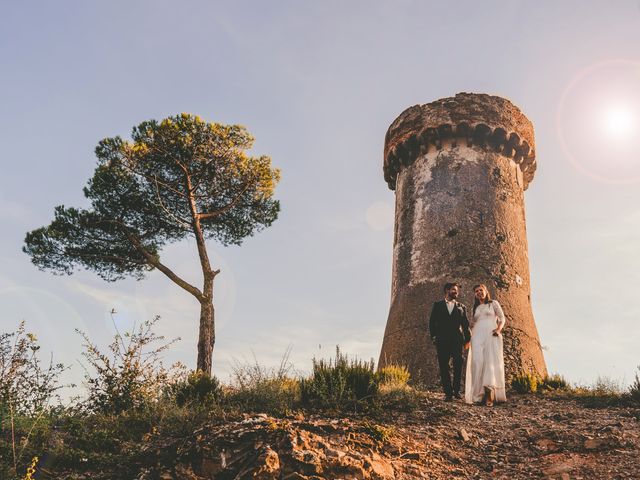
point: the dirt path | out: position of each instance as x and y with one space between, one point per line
527 437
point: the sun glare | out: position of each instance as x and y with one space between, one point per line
619 122
598 121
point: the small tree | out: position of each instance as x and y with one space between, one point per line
131 375
181 177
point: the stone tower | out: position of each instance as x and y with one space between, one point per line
459 167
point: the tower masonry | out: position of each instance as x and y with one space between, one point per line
459 167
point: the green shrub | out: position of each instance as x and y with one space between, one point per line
339 382
274 395
379 433
131 376
634 389
258 388
397 399
554 382
198 389
604 392
394 376
394 392
26 387
106 443
22 438
117 446
607 387
525 383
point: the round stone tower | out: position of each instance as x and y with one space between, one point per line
459 167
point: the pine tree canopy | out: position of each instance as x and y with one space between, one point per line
175 178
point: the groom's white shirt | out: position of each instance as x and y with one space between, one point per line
450 305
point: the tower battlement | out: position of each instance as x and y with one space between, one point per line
480 120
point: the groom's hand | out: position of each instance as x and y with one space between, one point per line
467 345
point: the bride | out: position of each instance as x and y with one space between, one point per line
484 382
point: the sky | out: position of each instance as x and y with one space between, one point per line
318 84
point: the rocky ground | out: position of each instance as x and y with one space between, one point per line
530 436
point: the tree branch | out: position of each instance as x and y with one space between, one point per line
226 208
177 219
113 258
128 166
207 272
153 260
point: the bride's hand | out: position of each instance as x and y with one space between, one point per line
496 332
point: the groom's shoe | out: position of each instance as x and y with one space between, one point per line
448 398
457 395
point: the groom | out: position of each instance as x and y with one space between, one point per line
449 330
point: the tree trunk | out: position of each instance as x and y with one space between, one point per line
207 334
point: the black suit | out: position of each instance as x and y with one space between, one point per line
449 332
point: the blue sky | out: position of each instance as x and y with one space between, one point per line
317 84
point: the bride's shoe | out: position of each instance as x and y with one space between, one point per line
489 396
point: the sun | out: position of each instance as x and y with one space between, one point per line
619 122
598 121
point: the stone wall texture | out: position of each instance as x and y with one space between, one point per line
459 167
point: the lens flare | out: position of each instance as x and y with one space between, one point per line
598 121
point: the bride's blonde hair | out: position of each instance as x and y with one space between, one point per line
487 299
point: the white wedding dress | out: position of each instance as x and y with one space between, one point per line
485 363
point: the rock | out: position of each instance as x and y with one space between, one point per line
309 460
210 467
381 469
452 457
268 465
594 443
350 466
546 444
559 468
562 464
411 455
464 435
333 453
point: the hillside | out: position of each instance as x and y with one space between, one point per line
531 436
